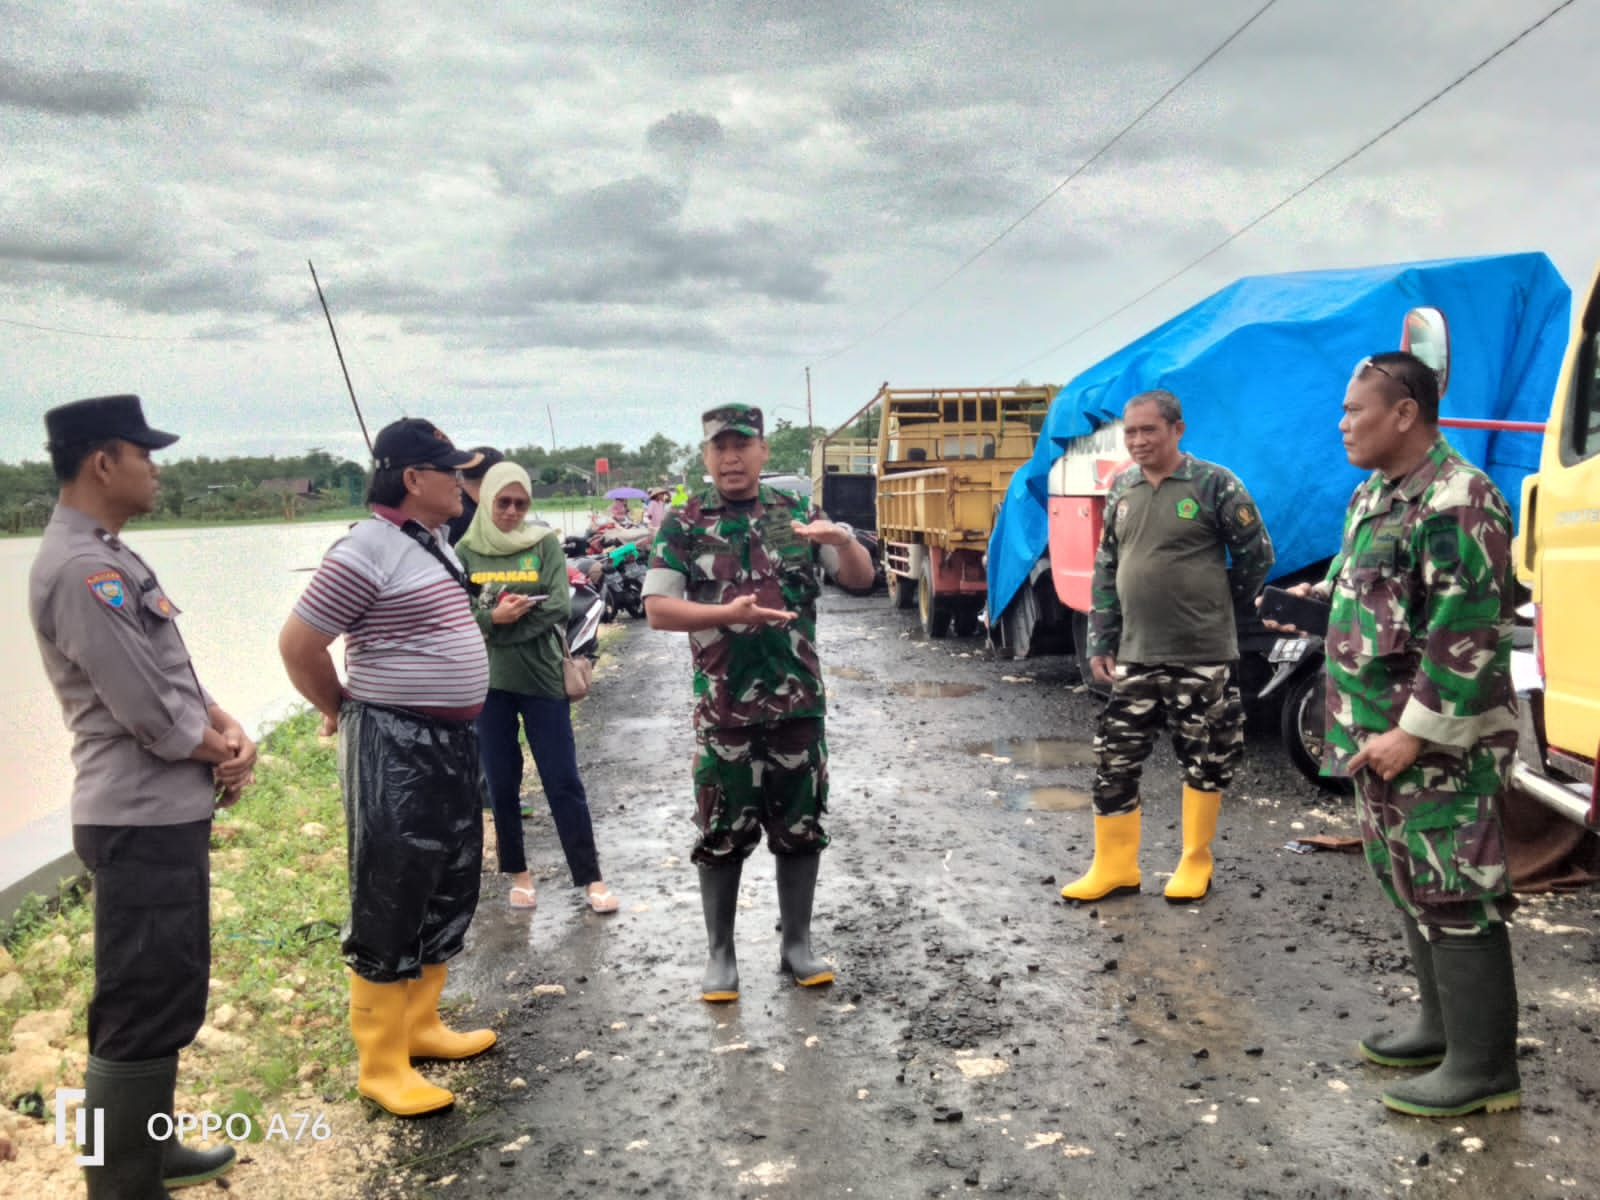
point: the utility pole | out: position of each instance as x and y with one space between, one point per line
810 424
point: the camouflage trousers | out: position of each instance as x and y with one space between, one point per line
754 777
1440 857
1203 706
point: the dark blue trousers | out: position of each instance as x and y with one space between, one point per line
548 724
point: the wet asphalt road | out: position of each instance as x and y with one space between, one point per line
983 1037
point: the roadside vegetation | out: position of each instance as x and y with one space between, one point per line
276 1014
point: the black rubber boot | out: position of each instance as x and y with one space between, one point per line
127 1095
719 897
1423 1044
1478 999
797 888
183 1166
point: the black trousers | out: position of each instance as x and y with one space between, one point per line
152 936
413 805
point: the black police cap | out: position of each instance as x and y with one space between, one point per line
101 418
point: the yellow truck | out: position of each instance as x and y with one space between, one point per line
1558 557
944 459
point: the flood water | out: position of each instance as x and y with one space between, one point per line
234 585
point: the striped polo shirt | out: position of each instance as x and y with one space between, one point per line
410 638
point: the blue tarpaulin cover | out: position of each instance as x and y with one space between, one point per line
1261 368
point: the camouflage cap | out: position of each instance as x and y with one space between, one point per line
736 418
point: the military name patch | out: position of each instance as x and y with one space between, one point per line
1188 508
108 588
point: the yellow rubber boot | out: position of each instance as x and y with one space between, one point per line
378 1026
1115 869
1192 879
429 1036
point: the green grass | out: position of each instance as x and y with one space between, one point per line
279 992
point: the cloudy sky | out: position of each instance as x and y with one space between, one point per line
605 216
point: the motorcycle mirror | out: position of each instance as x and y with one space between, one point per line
1426 333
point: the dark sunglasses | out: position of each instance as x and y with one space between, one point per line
440 470
1366 363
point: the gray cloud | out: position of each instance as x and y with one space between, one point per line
341 78
77 93
681 131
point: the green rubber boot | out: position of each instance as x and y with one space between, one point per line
122 1097
1423 1044
1478 999
797 889
719 899
184 1166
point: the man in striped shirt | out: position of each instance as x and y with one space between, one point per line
416 673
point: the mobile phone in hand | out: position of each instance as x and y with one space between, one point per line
1305 613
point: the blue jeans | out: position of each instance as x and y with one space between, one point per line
548 724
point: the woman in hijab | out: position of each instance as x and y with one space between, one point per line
523 611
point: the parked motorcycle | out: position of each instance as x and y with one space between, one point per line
1300 681
583 626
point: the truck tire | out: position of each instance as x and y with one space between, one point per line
965 622
902 590
1080 650
1302 725
934 611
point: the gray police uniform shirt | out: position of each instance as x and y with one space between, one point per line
109 640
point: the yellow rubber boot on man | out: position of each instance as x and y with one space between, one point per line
1115 869
386 1077
1192 879
427 1034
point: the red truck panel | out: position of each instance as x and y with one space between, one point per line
1074 537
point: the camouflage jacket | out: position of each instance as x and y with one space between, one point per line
707 552
1420 633
1167 585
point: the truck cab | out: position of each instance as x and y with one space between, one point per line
1558 557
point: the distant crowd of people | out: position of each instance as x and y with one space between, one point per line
453 611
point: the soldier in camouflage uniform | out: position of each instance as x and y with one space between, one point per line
1183 550
1422 714
734 567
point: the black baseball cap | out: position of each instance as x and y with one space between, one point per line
101 418
413 442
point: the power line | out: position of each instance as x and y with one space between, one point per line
1291 197
135 337
1051 194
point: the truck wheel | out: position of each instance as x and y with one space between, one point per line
902 590
1303 724
935 613
1080 649
965 622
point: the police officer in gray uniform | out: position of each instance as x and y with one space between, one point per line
155 756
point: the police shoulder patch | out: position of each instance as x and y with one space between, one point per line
108 588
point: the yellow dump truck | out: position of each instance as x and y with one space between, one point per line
1558 556
944 459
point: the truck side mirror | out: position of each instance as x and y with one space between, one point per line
1426 334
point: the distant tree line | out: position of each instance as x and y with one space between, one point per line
229 489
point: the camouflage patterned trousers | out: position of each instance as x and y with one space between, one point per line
1439 856
754 777
1203 705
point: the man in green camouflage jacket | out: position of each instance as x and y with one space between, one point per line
1422 714
1182 552
734 567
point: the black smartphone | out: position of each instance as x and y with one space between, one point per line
1305 613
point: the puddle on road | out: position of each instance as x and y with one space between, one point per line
1035 752
1044 799
846 672
931 690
